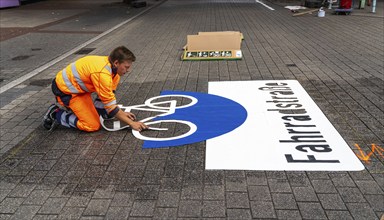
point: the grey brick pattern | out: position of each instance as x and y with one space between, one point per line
68 174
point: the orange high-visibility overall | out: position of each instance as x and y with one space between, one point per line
78 81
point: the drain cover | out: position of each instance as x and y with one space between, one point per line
85 50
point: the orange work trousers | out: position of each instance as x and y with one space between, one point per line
84 109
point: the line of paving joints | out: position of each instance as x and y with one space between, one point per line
60 58
46 66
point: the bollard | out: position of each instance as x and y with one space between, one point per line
374 6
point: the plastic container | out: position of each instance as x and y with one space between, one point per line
321 13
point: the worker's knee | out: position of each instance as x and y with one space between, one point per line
89 127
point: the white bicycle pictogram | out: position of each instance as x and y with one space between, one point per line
164 108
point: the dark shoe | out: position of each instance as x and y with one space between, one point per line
49 120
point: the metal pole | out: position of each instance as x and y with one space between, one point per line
374 6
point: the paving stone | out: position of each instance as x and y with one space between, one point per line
361 211
342 180
237 200
213 209
192 192
143 208
283 201
44 217
97 207
128 184
351 195
288 214
3 194
304 194
213 192
279 185
369 187
165 213
235 184
10 205
151 177
213 177
259 193
5 216
71 213
238 214
123 199
298 179
37 197
314 175
256 178
190 209
171 184
323 186
168 199
262 209
173 171
311 210
53 206
79 199
376 202
22 190
147 192
336 215
117 212
331 202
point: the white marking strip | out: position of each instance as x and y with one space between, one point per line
269 7
51 63
284 130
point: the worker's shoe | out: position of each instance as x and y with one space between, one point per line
49 120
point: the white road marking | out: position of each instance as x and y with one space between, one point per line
53 62
269 7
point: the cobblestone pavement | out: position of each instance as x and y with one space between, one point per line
30 33
67 174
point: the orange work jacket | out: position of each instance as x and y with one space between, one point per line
87 75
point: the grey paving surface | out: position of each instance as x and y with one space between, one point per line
34 34
67 174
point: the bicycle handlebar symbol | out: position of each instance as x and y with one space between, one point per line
164 108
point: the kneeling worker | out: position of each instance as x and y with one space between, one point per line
74 85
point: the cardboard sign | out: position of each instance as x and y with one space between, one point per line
213 46
284 130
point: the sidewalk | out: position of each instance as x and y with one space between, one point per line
67 174
357 11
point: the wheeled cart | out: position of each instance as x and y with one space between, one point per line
345 7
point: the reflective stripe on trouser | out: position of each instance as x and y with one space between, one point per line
67 119
84 110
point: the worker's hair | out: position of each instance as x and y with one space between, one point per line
121 54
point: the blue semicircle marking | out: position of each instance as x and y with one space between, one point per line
213 115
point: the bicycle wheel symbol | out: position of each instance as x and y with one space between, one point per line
165 105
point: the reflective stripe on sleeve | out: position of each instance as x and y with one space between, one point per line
77 77
68 82
111 103
108 68
98 104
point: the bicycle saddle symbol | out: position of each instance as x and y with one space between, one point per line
206 115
